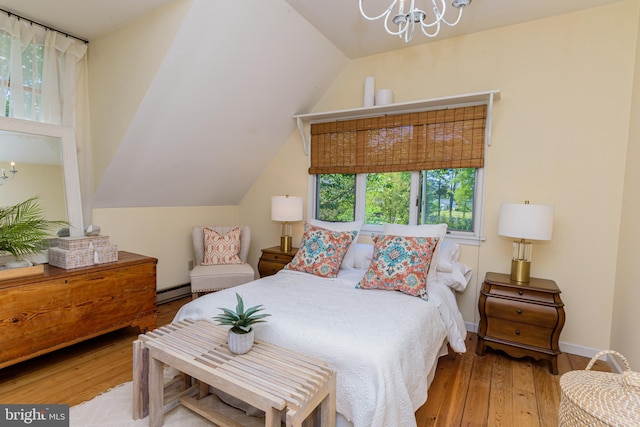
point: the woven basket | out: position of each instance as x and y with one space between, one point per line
591 398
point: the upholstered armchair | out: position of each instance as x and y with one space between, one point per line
208 278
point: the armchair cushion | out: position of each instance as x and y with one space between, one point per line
221 249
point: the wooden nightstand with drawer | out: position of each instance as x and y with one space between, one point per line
521 319
274 260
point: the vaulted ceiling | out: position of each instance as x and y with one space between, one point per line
220 106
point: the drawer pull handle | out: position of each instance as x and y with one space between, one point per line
520 292
519 311
517 331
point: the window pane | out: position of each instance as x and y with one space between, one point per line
447 196
388 197
336 197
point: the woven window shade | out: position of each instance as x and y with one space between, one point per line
437 139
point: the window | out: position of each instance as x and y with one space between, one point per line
424 197
409 168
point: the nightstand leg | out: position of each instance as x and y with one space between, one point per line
554 365
480 347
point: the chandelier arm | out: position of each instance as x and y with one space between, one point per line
386 12
400 31
424 31
453 24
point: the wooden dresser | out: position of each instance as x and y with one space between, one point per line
521 319
274 260
42 313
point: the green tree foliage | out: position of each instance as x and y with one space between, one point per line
336 197
388 198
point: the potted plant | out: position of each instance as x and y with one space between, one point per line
23 230
240 338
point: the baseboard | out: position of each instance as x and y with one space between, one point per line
172 294
571 348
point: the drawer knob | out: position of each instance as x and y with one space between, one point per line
517 331
519 311
520 292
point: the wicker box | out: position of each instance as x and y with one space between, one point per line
66 259
81 242
591 398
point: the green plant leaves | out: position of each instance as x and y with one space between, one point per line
241 321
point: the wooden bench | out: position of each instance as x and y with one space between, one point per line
268 377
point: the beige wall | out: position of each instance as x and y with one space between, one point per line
626 315
163 233
44 181
559 138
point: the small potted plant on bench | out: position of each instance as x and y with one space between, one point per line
241 335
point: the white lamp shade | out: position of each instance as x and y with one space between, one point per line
286 208
525 221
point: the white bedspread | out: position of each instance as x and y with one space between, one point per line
381 344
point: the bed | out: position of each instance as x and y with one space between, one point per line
383 345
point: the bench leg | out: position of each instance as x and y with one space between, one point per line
328 405
156 393
140 380
272 418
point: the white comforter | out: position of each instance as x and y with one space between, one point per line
381 344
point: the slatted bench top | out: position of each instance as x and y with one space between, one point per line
268 377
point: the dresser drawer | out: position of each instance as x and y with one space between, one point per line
521 333
523 293
522 312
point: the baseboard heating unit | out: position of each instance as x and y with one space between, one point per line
174 293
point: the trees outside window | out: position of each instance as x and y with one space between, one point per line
424 197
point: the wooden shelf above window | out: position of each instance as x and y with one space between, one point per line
304 120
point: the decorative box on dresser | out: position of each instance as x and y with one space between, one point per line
45 312
274 260
521 319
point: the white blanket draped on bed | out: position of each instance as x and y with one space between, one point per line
381 344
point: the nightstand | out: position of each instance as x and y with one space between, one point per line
521 319
274 260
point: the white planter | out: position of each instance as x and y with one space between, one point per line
240 343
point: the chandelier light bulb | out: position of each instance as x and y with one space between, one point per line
406 20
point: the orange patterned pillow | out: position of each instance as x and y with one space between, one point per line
221 249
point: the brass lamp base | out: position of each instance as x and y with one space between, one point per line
520 270
285 243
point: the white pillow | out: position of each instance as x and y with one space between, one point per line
363 255
349 258
449 254
425 230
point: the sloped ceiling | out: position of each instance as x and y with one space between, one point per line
220 106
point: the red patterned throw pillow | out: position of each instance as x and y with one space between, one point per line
400 264
321 251
221 249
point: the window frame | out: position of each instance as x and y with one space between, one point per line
474 237
304 121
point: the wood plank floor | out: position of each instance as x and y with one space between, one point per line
468 390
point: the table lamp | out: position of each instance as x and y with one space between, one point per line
525 222
286 209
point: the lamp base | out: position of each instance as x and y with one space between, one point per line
285 243
520 270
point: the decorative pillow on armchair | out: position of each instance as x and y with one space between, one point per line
400 264
221 249
321 251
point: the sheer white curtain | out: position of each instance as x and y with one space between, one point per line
43 77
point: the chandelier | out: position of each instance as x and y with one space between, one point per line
407 19
3 174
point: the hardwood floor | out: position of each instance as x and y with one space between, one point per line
468 390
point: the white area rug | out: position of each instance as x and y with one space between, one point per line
114 408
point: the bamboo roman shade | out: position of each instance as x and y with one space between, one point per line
436 139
